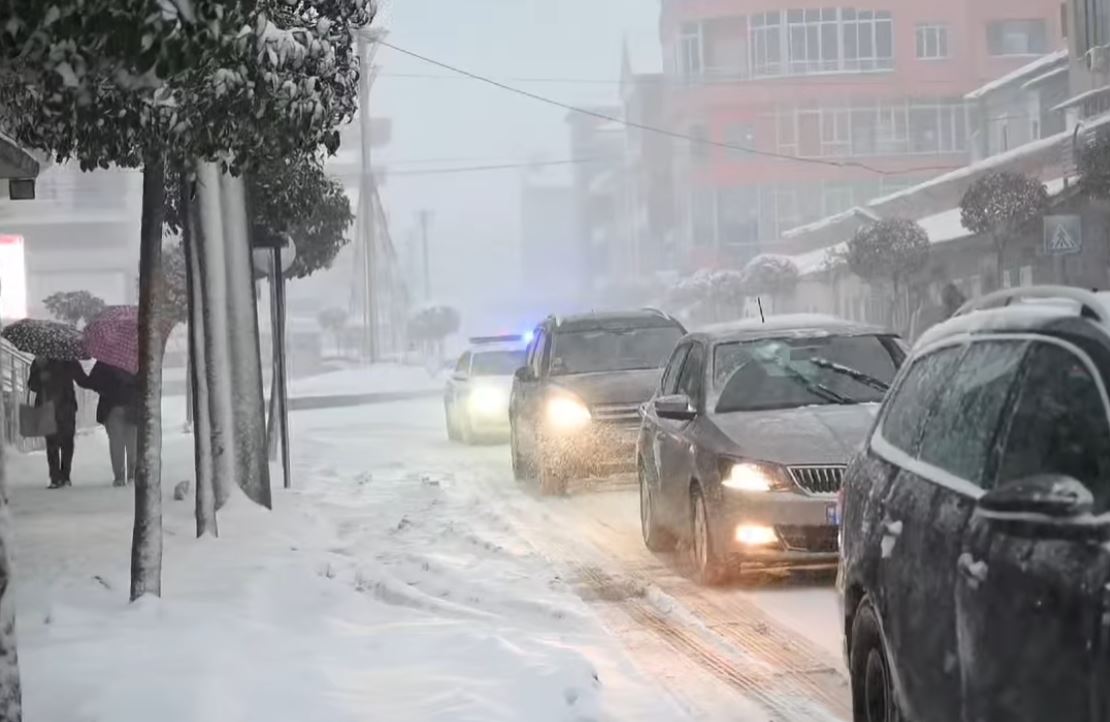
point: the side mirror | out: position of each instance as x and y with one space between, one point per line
1051 495
675 408
458 376
523 374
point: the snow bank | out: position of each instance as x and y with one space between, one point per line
367 380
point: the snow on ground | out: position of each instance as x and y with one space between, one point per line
368 380
378 589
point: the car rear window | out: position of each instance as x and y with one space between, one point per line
599 350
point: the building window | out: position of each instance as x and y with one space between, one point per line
1017 37
699 149
739 135
829 40
738 216
932 42
690 51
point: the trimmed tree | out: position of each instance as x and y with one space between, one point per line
706 295
999 205
889 252
771 275
431 325
74 307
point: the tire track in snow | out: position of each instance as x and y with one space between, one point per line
738 644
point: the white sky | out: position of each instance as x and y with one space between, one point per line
444 123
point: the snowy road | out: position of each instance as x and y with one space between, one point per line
769 647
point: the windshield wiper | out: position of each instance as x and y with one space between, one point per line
817 389
856 374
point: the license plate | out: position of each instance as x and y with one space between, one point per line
832 514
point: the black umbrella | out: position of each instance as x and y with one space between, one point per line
48 339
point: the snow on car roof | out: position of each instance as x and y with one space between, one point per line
796 324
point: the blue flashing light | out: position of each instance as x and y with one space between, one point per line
528 336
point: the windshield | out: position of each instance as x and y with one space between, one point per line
496 363
584 352
783 373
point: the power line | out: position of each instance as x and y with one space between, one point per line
653 129
825 81
498 166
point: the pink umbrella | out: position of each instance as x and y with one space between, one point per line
113 337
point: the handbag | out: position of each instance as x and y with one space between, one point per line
37 421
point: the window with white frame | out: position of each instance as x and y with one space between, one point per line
690 58
868 40
826 40
767 42
932 41
1017 37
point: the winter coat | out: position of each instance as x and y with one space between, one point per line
53 381
117 388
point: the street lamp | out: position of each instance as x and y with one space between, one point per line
272 256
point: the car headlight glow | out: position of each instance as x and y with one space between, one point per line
565 413
746 476
487 400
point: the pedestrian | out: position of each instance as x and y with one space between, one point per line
118 411
52 381
936 308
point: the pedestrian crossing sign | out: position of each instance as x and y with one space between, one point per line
1063 235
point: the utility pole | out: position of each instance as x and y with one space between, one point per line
367 194
425 218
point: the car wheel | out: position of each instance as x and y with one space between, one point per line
520 468
656 538
708 567
872 685
452 430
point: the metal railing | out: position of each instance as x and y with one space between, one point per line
15 367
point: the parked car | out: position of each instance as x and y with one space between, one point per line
742 449
476 399
975 565
575 404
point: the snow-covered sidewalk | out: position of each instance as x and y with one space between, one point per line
375 591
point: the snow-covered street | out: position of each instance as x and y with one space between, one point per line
405 578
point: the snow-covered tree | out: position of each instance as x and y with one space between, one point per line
334 321
74 307
770 274
708 295
431 325
998 205
139 84
889 251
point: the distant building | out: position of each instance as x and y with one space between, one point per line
597 146
552 254
880 85
81 233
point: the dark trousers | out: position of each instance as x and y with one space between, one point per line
59 456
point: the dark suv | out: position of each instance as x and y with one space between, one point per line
575 406
975 565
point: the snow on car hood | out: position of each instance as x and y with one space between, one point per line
612 387
806 435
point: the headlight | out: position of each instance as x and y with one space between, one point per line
565 413
487 400
750 477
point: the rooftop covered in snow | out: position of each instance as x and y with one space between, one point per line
1036 68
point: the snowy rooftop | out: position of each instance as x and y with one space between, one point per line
940 227
1035 68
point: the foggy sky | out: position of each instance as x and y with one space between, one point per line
441 123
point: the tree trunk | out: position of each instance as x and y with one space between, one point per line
198 377
10 691
249 408
146 542
209 236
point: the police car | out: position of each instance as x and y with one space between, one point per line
476 400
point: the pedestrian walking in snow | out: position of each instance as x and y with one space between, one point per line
52 382
118 411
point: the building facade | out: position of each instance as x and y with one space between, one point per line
823 108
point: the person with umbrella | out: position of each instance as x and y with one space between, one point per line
118 411
57 348
112 339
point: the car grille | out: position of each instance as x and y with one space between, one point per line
617 414
809 538
818 479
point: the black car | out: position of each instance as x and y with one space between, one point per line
742 450
975 565
575 406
